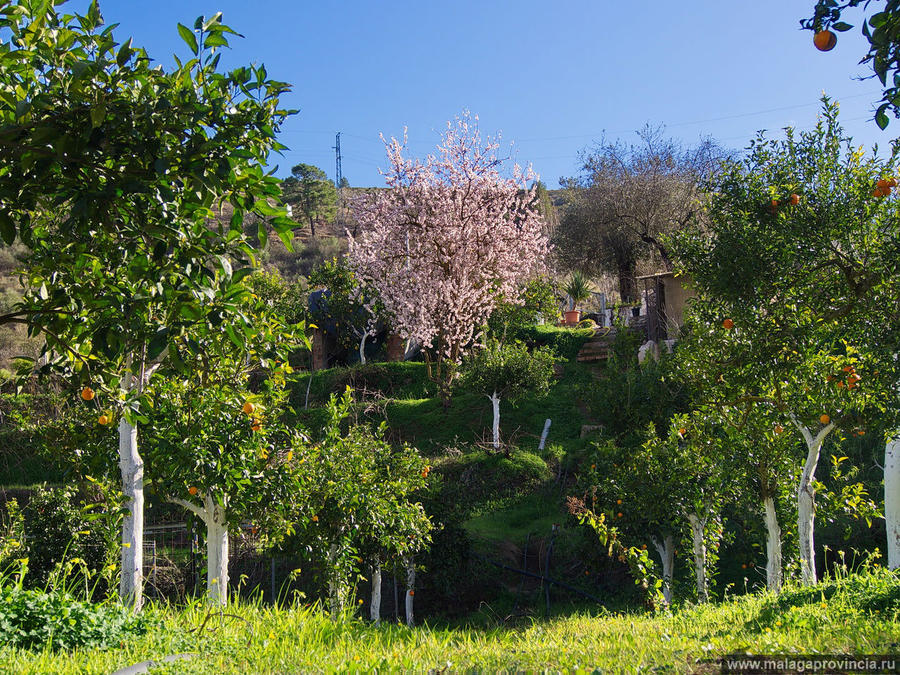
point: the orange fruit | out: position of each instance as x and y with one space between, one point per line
256 425
103 419
779 429
840 385
619 514
824 419
795 199
892 182
412 592
315 518
728 324
878 192
848 369
824 40
882 183
87 394
193 491
682 431
643 547
248 408
618 501
743 566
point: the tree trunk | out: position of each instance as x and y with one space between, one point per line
627 290
892 500
698 526
410 590
806 501
774 574
132 469
335 590
375 605
495 427
216 551
362 349
666 550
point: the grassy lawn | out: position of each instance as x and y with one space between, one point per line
853 615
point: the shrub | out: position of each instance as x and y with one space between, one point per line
58 530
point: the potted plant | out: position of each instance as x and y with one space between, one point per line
577 289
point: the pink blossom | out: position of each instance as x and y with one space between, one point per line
448 240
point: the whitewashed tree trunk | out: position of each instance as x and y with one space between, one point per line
131 465
806 501
698 526
666 550
774 573
410 590
495 427
362 348
892 500
375 604
213 513
216 550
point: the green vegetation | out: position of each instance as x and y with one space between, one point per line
855 614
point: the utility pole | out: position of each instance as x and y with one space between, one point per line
338 178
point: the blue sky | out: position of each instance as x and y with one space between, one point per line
554 78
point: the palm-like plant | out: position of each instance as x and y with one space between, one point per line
577 289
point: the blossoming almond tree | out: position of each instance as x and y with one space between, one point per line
448 240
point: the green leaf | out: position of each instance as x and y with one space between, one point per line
158 344
188 36
881 119
841 27
7 228
124 54
98 114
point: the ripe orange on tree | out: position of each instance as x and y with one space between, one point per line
256 425
824 40
779 429
728 324
824 418
795 199
193 491
248 408
87 394
103 419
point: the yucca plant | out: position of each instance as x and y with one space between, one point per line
577 289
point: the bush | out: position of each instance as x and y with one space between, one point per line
57 530
35 619
566 342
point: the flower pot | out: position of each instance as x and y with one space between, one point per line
573 317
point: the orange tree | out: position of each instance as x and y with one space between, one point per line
218 445
111 172
359 502
794 272
881 29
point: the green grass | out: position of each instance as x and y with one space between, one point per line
532 514
858 615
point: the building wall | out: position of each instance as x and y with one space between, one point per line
677 295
